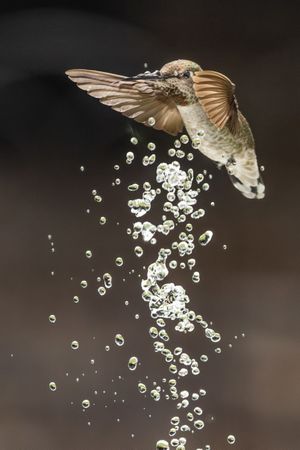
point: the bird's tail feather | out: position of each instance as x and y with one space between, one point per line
245 176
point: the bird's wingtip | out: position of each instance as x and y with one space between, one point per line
69 72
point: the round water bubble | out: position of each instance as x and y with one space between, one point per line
231 439
52 318
119 340
88 253
52 386
184 139
142 388
76 299
83 284
153 331
196 277
85 403
74 345
98 198
134 140
102 290
138 251
162 445
151 121
102 220
132 363
151 146
199 424
119 261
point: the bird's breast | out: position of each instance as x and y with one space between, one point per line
216 144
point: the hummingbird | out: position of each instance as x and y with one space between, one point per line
182 94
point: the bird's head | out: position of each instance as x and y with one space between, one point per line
181 68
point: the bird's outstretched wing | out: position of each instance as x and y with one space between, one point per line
216 95
136 98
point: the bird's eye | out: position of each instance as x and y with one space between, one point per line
186 74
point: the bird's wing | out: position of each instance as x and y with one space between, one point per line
216 95
138 99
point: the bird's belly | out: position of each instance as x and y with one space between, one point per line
217 145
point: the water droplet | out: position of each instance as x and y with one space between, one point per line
196 277
107 279
98 198
231 439
133 187
132 363
151 121
102 220
85 403
76 299
83 284
142 388
52 386
134 141
162 445
138 251
184 139
74 345
88 253
205 238
82 168
119 261
199 424
119 340
151 146
153 331
52 318
102 290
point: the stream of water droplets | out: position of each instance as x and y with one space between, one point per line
180 190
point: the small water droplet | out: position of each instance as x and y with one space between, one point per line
138 251
52 318
74 345
134 141
85 403
119 340
119 261
132 363
205 238
162 445
102 220
151 121
231 439
52 386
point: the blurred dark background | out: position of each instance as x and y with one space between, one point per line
48 129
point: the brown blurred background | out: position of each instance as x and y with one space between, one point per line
48 129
